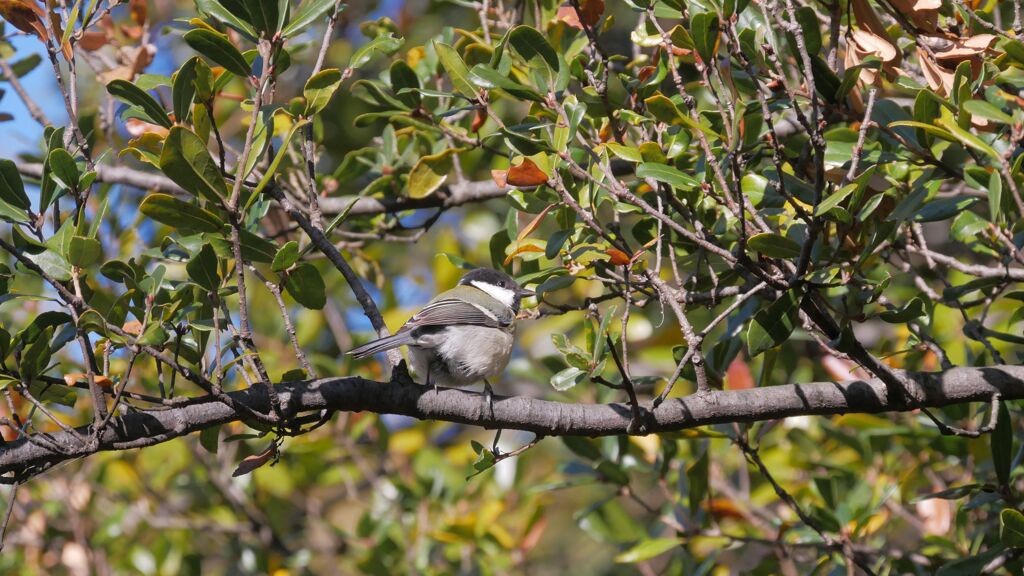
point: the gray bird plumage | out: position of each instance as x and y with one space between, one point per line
462 336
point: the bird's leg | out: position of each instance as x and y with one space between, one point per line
489 397
489 400
428 381
494 445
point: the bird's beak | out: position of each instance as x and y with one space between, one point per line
526 293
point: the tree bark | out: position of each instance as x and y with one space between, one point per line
23 458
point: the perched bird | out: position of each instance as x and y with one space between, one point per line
462 336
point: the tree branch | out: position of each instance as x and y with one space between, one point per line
22 458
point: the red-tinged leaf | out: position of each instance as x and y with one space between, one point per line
478 120
250 463
526 174
534 223
618 257
841 370
532 536
589 13
738 375
723 508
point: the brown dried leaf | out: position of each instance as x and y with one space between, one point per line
923 13
132 327
93 40
500 177
250 463
959 49
939 79
25 15
526 174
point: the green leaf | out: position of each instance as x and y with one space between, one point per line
385 44
628 153
944 208
208 439
276 162
184 89
697 478
774 245
988 111
63 168
667 174
154 335
914 309
286 256
186 160
306 286
84 251
1002 445
320 88
995 195
130 93
487 77
648 549
704 30
458 73
11 213
807 18
219 50
530 44
430 172
308 13
1011 528
583 447
404 78
228 16
834 199
525 145
255 248
772 326
968 139
202 268
52 263
263 15
12 189
168 210
567 378
23 66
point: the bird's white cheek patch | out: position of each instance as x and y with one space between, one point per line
503 295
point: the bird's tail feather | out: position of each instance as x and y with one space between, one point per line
386 343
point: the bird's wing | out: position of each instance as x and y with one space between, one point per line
448 312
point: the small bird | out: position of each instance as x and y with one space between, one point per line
462 336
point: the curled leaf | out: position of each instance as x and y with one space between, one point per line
250 463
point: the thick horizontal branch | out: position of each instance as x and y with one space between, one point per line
143 428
